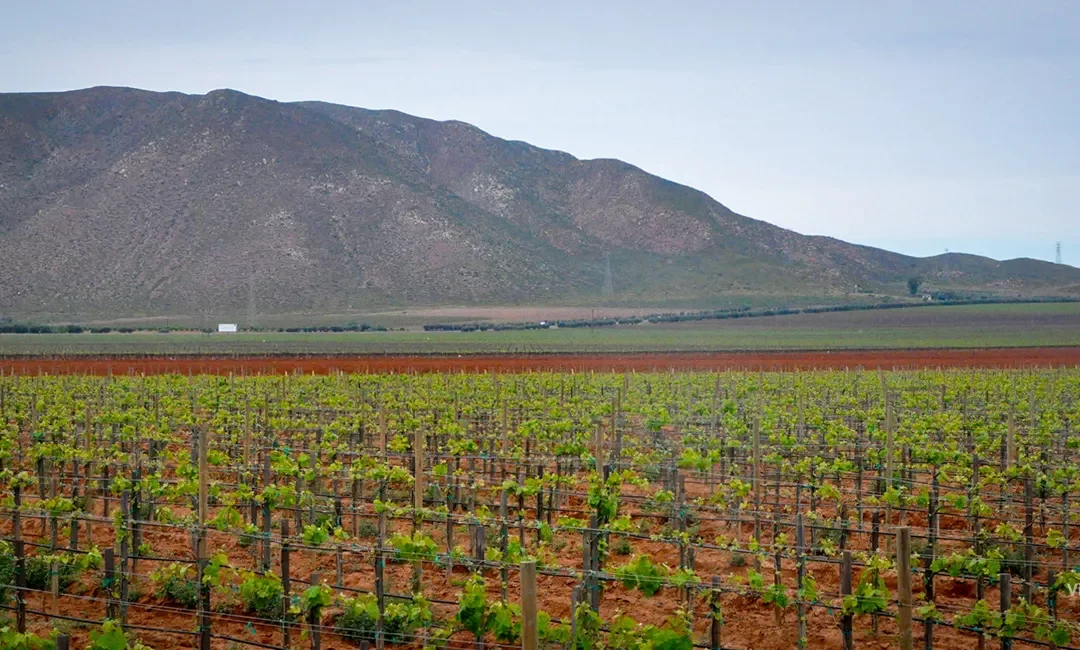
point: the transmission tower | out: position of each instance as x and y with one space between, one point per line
609 287
1057 250
251 299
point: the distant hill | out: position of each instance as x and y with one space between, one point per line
127 202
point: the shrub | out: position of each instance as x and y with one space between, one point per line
642 574
7 570
262 594
250 534
111 637
360 615
39 573
358 618
174 585
10 639
366 529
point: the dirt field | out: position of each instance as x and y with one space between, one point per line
888 359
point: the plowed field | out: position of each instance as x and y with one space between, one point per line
640 362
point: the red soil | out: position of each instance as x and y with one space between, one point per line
887 359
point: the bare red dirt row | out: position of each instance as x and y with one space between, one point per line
641 362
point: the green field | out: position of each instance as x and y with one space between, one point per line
970 326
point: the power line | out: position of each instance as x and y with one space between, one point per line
609 286
251 299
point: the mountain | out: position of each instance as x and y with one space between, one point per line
122 202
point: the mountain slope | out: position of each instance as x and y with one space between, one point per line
124 202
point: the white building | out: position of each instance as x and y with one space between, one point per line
226 327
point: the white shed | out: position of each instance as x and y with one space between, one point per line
226 327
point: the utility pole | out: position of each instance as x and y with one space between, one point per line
1057 249
251 299
609 287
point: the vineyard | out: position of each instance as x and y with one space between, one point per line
570 510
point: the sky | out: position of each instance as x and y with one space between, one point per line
915 126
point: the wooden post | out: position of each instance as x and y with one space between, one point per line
314 623
125 552
1006 603
16 515
449 535
903 586
890 451
1010 441
504 571
89 498
266 514
383 438
800 573
1029 537
54 585
528 606
286 585
845 590
204 594
105 490
755 473
418 464
928 558
201 554
339 567
575 596
380 597
505 443
717 621
62 642
355 504
20 585
110 580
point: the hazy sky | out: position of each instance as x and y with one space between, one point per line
916 126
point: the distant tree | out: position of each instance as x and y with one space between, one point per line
913 284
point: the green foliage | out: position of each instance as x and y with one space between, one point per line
640 573
505 622
668 639
808 591
366 528
417 547
981 617
7 570
473 610
315 535
10 639
358 619
551 633
111 637
262 594
968 563
621 546
604 497
174 584
587 635
314 599
39 571
870 596
929 612
776 595
626 634
402 619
